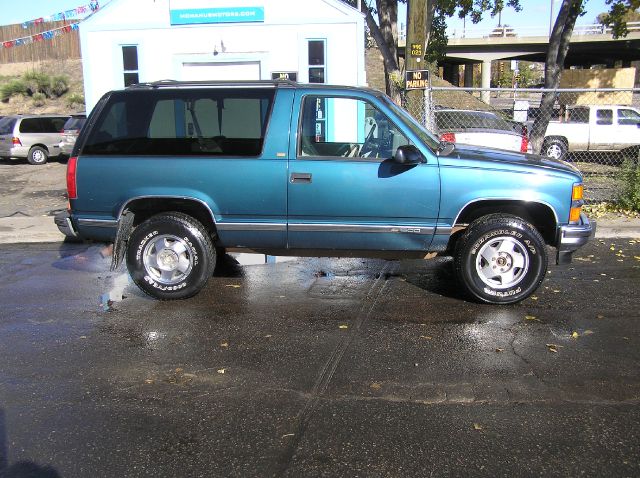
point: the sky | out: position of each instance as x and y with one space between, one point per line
535 13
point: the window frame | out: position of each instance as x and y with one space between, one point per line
119 97
303 102
126 71
323 65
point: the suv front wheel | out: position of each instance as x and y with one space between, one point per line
500 259
170 256
37 155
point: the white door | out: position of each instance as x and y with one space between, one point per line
220 71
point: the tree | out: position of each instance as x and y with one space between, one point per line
569 12
385 33
621 12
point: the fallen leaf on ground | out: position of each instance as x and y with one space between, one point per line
499 350
477 426
427 337
587 332
224 344
553 348
376 386
575 335
235 286
221 370
531 317
343 326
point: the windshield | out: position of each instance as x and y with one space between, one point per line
426 136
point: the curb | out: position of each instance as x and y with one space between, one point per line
18 230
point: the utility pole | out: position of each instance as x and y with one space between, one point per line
415 46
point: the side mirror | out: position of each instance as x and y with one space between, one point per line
408 154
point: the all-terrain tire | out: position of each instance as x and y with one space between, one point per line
500 259
170 256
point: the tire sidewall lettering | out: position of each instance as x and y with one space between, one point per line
144 242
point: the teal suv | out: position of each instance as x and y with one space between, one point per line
173 173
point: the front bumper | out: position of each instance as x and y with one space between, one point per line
65 226
572 237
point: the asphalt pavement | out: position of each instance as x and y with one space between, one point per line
317 368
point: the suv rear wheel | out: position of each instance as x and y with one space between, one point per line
37 155
500 259
170 256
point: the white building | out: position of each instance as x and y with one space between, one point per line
130 41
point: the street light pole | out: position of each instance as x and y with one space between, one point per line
551 20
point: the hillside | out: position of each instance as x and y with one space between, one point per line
71 68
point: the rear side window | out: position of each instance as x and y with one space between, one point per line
604 117
42 125
204 122
7 124
30 125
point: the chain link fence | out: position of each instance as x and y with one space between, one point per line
595 129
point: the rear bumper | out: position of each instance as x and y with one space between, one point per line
572 237
65 226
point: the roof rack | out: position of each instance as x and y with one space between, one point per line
190 84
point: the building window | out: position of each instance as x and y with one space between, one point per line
317 61
130 65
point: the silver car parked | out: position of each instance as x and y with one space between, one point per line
34 137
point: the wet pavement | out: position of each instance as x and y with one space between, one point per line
317 367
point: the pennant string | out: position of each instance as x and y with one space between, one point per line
93 6
38 37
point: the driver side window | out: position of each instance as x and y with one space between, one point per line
339 127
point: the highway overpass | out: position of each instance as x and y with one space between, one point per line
590 45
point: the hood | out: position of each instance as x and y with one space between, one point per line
462 152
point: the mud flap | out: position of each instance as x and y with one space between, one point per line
125 224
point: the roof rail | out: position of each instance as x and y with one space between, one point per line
228 83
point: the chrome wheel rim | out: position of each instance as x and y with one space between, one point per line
554 151
502 263
168 259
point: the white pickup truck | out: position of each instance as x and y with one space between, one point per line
592 128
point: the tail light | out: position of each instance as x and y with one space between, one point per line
16 141
72 167
524 144
448 137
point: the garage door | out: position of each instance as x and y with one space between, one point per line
199 71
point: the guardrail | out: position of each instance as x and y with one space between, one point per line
507 31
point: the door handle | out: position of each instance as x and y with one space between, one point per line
300 178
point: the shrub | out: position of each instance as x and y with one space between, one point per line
75 99
59 85
37 82
39 99
14 87
630 181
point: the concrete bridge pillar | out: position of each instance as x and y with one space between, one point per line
468 75
486 81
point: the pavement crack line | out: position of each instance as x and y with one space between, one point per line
328 370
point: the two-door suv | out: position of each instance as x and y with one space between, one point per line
172 172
